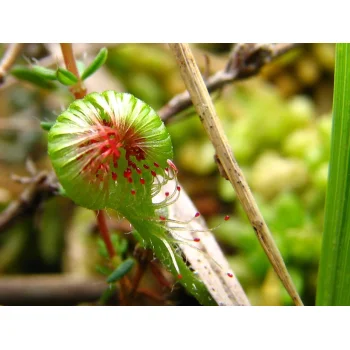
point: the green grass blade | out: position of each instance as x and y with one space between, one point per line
334 272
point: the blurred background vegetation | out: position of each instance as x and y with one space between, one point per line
278 124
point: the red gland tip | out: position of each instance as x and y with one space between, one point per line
178 188
197 239
133 192
166 194
114 176
146 166
229 274
156 165
127 173
138 170
142 181
153 173
163 218
172 165
197 215
179 276
227 217
130 179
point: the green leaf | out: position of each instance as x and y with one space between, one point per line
46 125
107 294
27 74
66 77
102 250
334 272
99 60
45 73
121 271
122 246
103 270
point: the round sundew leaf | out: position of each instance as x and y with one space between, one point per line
105 150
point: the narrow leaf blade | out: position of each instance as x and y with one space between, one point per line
334 272
66 77
99 60
45 73
121 271
27 74
46 125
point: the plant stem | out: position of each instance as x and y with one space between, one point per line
78 90
102 224
206 111
245 61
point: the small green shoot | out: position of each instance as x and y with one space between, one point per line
98 61
29 75
66 77
121 271
46 125
45 73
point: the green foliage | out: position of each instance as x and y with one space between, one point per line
29 75
287 175
120 245
46 125
98 61
45 73
66 77
44 77
265 119
334 276
124 268
107 294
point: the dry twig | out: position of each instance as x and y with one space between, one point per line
9 59
245 61
49 290
206 111
41 187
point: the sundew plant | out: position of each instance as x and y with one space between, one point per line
142 142
111 150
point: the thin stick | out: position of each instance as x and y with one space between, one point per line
9 59
205 108
102 224
78 90
49 289
245 61
41 187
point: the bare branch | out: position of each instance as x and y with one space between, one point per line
206 111
9 59
49 290
245 61
42 186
